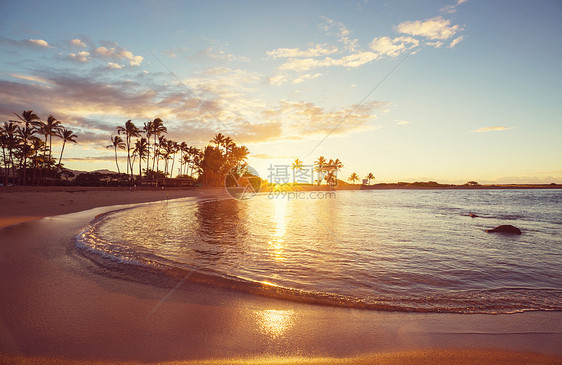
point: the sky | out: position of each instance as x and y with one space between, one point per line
448 91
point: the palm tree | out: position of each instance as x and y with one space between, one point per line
162 143
297 165
157 130
4 144
331 177
338 164
30 120
193 159
242 153
173 148
370 177
228 144
67 136
218 139
51 128
182 149
25 134
148 130
117 142
130 131
197 163
36 146
354 177
319 168
141 150
9 142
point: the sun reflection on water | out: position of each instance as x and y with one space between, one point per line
277 241
275 322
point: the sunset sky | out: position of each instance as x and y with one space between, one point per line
476 93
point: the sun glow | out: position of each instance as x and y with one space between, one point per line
274 322
277 241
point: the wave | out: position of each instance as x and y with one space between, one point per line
135 265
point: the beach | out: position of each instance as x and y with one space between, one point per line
58 306
25 203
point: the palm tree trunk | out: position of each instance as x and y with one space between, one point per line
61 151
6 166
50 152
23 163
35 169
155 153
11 156
42 172
140 167
118 171
129 165
128 156
172 169
147 158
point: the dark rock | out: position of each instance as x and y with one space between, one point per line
505 229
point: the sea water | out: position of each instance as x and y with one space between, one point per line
404 250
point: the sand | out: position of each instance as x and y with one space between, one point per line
58 307
21 204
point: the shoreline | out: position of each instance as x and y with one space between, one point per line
63 306
26 203
444 356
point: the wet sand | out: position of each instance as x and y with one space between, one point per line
57 306
25 203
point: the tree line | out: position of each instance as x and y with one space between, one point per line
148 148
27 149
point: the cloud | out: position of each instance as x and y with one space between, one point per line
93 107
385 46
491 129
78 43
80 56
350 61
31 78
342 33
24 43
434 28
353 60
305 119
317 51
75 95
113 65
212 53
119 53
402 122
94 158
263 156
305 77
305 64
452 8
38 42
216 52
455 41
435 44
278 80
252 133
322 55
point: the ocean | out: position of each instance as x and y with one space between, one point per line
397 250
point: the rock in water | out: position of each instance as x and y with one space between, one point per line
505 229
